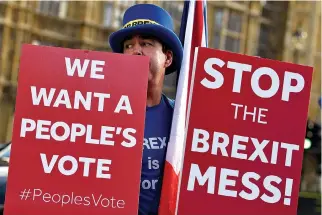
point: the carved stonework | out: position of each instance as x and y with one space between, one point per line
8 93
83 25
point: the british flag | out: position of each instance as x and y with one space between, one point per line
193 33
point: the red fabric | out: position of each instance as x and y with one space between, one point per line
169 194
170 184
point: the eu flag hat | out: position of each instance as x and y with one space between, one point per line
149 19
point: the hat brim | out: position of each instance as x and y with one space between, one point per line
168 37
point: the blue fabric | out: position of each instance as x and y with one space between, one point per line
148 11
164 31
156 136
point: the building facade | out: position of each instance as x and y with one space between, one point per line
286 31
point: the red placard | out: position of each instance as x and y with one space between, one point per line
78 131
245 135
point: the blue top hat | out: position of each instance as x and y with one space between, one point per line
151 20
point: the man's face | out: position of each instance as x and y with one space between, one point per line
160 59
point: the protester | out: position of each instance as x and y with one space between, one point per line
148 31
